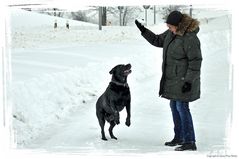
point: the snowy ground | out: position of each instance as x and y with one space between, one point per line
57 76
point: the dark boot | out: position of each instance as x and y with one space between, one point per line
187 146
174 142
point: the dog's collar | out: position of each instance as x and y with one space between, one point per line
120 84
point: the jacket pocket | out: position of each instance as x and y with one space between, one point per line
180 71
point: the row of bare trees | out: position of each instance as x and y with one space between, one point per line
121 15
126 13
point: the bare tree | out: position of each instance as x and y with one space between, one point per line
112 14
120 14
51 11
130 13
95 11
104 16
165 10
80 15
125 14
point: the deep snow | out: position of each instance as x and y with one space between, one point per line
57 76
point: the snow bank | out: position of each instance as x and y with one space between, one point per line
41 101
47 36
33 30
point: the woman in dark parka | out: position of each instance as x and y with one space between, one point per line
180 82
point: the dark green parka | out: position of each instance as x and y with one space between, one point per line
181 60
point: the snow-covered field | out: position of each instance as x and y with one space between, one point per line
57 76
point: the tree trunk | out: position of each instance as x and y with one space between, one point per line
124 16
104 16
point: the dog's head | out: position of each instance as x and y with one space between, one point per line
121 72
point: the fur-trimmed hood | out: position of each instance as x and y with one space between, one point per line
187 24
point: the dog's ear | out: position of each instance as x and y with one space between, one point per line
112 70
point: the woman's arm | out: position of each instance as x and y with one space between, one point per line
156 40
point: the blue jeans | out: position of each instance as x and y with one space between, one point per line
183 123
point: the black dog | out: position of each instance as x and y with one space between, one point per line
114 99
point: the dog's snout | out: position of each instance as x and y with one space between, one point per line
128 66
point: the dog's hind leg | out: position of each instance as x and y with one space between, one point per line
102 125
112 125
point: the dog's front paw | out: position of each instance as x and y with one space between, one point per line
127 122
109 118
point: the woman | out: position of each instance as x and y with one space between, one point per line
180 82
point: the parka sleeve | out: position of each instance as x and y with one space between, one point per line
156 40
194 56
